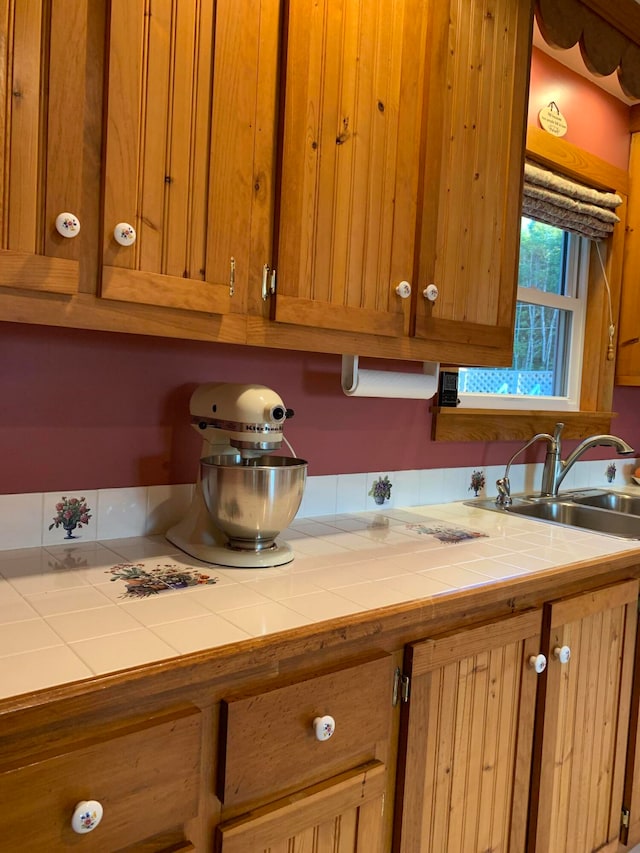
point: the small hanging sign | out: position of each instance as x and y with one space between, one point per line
552 120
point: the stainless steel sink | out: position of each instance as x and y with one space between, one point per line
616 501
597 511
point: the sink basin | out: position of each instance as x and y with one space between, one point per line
615 501
609 513
593 518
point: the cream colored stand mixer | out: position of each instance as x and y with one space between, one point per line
244 496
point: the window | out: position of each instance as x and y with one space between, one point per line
490 423
549 328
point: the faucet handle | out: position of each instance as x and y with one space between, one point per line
504 492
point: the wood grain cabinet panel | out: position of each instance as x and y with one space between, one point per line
268 744
190 126
583 722
146 776
475 124
403 155
463 779
342 815
42 93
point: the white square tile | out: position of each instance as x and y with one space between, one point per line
139 547
431 485
121 651
320 496
166 505
204 632
418 586
260 619
461 577
57 535
323 605
26 636
351 493
21 521
67 600
285 586
38 669
407 487
121 513
230 596
86 624
372 594
157 609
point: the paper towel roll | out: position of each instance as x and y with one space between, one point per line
388 383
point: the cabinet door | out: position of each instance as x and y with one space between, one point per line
467 734
344 815
473 160
579 758
189 151
42 72
352 108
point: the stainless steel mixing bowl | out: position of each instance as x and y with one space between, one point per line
252 500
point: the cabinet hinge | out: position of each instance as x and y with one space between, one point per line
268 281
232 276
624 821
401 684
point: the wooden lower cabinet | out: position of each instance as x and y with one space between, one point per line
583 721
144 775
343 815
468 732
495 757
285 787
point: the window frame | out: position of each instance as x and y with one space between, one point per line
575 303
596 389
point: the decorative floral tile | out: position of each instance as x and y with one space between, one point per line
446 533
141 581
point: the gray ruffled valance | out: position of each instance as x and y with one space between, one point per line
556 200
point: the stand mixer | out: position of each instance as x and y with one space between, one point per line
243 497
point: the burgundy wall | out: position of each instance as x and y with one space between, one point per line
97 410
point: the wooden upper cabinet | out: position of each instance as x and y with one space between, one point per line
403 155
473 166
42 94
190 128
353 91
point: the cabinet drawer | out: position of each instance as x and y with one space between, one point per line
145 775
268 744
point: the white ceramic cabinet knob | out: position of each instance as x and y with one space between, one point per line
324 727
124 234
67 225
562 653
86 816
403 290
538 662
431 292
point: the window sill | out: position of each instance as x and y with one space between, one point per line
454 424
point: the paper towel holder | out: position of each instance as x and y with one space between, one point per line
426 382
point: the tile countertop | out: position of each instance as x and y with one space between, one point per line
75 610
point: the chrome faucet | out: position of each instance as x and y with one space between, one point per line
555 469
503 485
